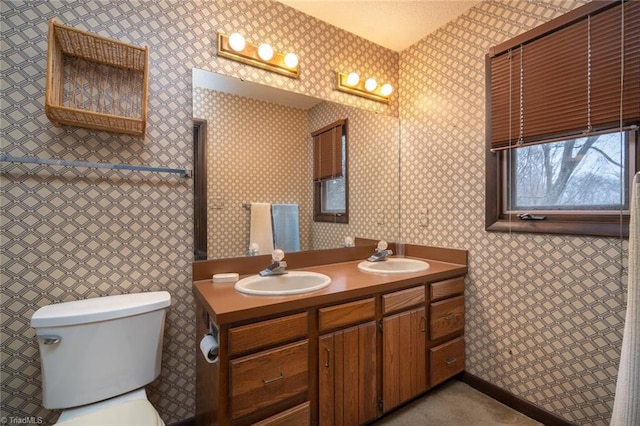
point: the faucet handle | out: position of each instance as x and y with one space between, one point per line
277 255
382 245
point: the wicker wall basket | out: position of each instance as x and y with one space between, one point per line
95 82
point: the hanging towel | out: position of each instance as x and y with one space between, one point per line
626 405
261 231
285 227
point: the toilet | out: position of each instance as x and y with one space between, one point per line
98 354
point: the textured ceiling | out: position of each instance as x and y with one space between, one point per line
394 24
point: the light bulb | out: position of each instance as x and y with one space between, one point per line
265 52
236 42
291 60
386 89
353 79
370 84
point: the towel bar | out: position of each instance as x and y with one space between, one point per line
187 173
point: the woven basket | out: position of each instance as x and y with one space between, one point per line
95 82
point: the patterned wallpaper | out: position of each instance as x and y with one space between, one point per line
69 234
545 313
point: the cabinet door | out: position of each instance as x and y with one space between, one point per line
347 376
404 360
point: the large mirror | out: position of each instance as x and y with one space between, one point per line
253 144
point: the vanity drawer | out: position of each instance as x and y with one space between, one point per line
448 288
266 378
446 360
446 317
403 299
300 415
346 314
267 333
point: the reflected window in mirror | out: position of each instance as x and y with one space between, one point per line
330 173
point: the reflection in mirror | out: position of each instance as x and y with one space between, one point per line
259 149
330 176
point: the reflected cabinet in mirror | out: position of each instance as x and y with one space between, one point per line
254 145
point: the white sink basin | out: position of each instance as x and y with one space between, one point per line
294 282
394 265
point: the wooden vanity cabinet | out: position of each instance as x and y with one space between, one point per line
347 364
336 364
404 362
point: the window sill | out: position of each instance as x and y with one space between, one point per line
595 229
331 218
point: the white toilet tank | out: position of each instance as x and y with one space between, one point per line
95 349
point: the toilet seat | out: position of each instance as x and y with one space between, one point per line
134 413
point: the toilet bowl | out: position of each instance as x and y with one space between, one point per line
98 354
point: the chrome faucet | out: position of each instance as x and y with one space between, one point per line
277 267
381 252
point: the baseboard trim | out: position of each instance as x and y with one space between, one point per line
515 402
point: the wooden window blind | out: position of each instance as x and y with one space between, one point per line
565 78
327 152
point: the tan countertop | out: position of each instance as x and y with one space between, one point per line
226 305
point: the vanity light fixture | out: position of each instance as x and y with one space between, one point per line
369 88
235 47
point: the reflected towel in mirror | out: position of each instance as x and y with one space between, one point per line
286 232
261 231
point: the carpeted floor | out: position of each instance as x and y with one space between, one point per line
456 404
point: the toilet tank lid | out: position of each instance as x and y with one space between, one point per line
99 309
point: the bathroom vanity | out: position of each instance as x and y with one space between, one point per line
345 354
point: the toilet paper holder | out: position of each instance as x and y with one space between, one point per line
209 344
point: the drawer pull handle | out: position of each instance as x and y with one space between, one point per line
275 379
327 357
451 360
451 317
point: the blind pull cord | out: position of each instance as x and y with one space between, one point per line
589 127
521 136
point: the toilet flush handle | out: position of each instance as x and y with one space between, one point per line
49 339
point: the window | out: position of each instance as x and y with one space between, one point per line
574 176
562 133
330 173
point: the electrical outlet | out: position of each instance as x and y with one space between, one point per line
218 202
424 218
